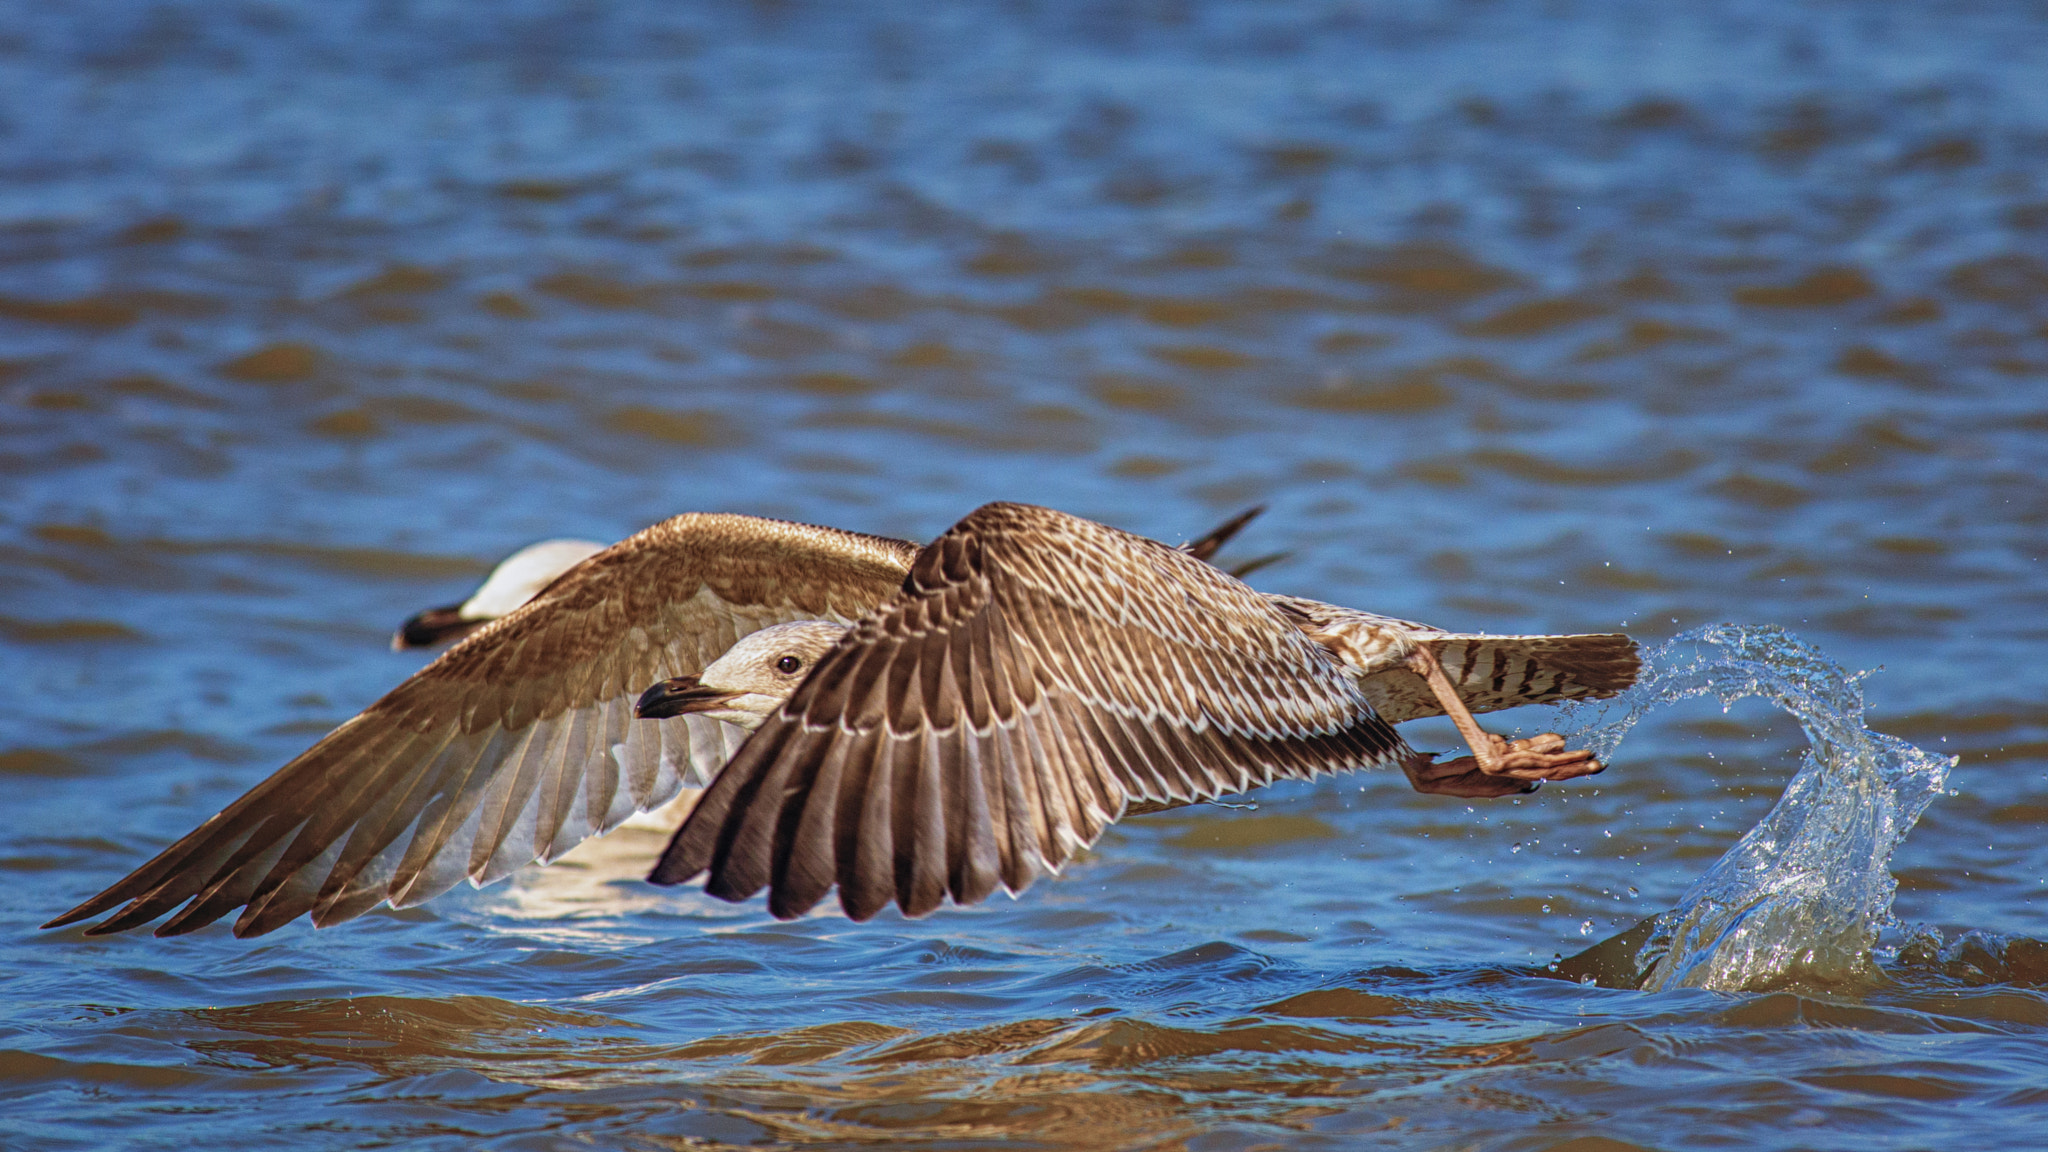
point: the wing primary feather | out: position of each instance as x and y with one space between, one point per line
806 860
227 893
323 829
291 885
507 793
152 903
438 812
610 797
746 864
1019 831
399 806
194 860
849 827
1045 781
871 883
427 873
243 869
1022 805
566 819
931 846
1103 793
699 841
743 864
289 900
974 861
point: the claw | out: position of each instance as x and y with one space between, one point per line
1519 767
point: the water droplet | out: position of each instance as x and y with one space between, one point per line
1803 865
1632 891
1585 927
1515 847
1607 833
1546 907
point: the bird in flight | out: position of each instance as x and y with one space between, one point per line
517 579
961 716
525 573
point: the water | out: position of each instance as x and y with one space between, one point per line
1806 891
1521 316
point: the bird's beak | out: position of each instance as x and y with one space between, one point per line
432 627
681 695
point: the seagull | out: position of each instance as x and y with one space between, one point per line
519 741
525 573
1039 676
517 578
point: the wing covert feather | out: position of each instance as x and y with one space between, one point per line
1035 675
518 741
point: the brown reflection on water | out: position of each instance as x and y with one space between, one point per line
400 1036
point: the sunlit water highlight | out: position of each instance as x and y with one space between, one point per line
1809 888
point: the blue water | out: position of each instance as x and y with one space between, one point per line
1521 316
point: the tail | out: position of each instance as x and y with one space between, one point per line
1495 672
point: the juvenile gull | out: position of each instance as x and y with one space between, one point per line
1040 676
517 578
525 573
519 741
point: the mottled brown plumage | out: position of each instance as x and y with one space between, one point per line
516 743
1490 672
1039 675
520 741
1003 695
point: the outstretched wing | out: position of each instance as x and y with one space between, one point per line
1037 674
517 743
1495 672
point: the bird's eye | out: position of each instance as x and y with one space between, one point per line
788 664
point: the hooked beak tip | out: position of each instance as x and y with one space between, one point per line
677 697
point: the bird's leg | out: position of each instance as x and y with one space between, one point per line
1423 662
1497 766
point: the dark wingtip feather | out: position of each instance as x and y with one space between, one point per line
1206 546
84 911
785 904
1247 567
676 865
125 891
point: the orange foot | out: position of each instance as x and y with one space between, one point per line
1523 765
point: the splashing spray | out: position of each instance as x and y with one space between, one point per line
1809 888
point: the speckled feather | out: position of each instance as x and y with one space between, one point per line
1065 706
1489 672
1037 673
517 743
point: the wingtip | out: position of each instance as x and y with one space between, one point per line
1256 563
86 911
670 870
1205 546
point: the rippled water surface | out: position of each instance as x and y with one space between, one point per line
1520 315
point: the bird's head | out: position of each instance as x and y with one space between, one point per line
753 679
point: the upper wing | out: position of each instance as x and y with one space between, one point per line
1036 674
516 743
1495 672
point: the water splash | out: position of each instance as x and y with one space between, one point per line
1809 888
